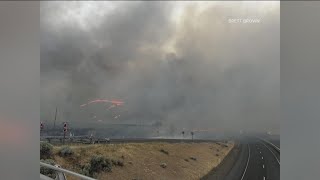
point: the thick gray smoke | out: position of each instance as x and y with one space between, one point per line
196 72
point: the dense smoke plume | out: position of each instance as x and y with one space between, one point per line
178 63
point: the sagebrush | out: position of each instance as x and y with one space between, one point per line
46 150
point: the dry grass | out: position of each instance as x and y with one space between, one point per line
143 160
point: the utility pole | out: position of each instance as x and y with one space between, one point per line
55 118
41 128
192 135
64 131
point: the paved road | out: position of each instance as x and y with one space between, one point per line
274 139
275 142
239 166
256 161
262 163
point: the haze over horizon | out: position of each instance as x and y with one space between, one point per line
178 63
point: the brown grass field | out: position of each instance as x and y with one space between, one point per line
142 160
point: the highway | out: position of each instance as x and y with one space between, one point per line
251 159
257 160
263 163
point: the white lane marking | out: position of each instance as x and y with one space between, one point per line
270 143
260 152
262 157
272 153
244 172
263 166
264 178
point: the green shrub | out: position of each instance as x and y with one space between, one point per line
66 151
46 171
86 170
97 164
45 150
100 163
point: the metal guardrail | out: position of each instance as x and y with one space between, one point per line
61 173
274 146
43 177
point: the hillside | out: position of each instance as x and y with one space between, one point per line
151 160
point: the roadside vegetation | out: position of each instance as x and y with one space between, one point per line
139 160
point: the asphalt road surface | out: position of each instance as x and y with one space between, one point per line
257 160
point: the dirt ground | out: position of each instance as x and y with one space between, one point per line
143 160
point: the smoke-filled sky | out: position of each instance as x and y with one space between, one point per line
180 63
